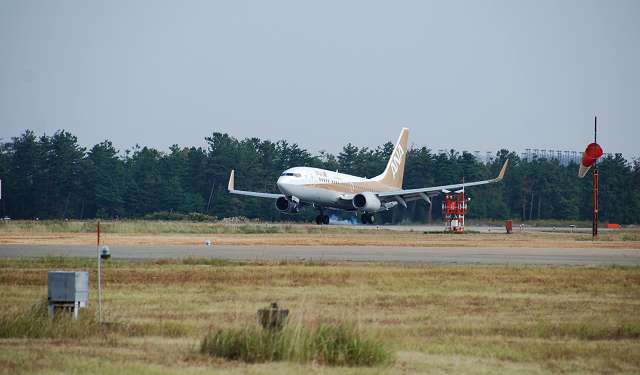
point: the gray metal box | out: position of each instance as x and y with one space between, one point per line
68 287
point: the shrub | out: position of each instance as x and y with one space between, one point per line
333 345
344 346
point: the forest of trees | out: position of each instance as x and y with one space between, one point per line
53 177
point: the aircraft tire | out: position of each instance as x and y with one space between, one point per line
367 218
325 219
319 219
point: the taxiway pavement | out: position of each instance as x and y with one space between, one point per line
434 255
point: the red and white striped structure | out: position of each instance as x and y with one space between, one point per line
591 154
590 157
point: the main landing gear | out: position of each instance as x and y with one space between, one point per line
322 219
367 218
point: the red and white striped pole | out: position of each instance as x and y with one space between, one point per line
596 175
590 158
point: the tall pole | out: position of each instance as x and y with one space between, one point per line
595 203
596 175
99 273
464 204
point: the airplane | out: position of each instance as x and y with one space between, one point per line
329 190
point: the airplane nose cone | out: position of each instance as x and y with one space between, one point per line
284 185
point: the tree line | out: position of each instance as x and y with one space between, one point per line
54 177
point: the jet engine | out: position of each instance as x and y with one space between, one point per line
285 205
366 201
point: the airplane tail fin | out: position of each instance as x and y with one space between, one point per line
394 172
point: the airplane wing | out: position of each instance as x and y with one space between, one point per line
403 196
232 190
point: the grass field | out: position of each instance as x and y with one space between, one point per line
437 319
194 233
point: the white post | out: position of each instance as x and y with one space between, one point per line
99 276
99 289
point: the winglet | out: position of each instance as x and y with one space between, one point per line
502 171
231 186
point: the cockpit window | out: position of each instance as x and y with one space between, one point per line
291 174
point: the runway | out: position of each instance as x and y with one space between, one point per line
433 255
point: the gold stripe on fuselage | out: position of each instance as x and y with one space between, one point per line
353 187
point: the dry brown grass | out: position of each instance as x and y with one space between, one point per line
329 238
444 319
188 233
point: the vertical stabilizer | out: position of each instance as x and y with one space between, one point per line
393 174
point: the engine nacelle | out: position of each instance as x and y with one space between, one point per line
285 205
366 201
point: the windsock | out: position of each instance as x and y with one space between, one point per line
589 158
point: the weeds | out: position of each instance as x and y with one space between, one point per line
162 329
333 345
58 262
590 331
36 323
610 237
344 345
631 237
451 233
198 261
160 227
492 319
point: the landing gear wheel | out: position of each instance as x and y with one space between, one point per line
367 218
322 219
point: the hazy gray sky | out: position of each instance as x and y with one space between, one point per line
470 75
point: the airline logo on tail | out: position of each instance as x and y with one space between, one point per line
396 158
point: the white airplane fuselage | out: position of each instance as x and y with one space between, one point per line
325 188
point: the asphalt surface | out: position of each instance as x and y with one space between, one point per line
435 255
